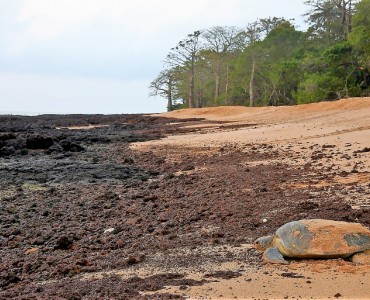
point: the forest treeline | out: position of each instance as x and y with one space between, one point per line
270 62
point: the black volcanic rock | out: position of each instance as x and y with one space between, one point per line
7 151
37 141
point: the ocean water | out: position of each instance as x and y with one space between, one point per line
28 113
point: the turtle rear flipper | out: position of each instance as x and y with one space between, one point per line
361 258
272 255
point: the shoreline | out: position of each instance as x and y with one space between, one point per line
139 207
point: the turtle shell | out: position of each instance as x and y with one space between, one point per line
321 239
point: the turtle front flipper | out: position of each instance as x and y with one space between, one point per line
272 255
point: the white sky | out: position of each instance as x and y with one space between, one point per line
99 56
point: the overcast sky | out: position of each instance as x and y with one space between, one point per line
99 56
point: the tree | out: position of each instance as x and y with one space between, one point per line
346 10
220 43
334 76
248 74
184 55
283 45
259 53
253 33
163 85
265 63
330 20
360 39
266 25
272 63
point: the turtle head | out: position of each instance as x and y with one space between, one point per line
262 243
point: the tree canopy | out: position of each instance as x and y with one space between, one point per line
270 62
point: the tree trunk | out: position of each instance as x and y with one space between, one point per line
218 81
200 99
191 91
227 86
345 9
192 84
349 16
169 96
346 84
251 84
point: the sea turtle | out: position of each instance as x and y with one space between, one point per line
316 238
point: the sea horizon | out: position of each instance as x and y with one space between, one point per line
33 114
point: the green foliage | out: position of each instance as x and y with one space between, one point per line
360 35
270 62
333 75
316 87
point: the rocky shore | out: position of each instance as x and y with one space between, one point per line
102 207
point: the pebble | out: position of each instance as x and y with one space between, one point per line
109 230
32 250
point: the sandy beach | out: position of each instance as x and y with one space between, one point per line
343 125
